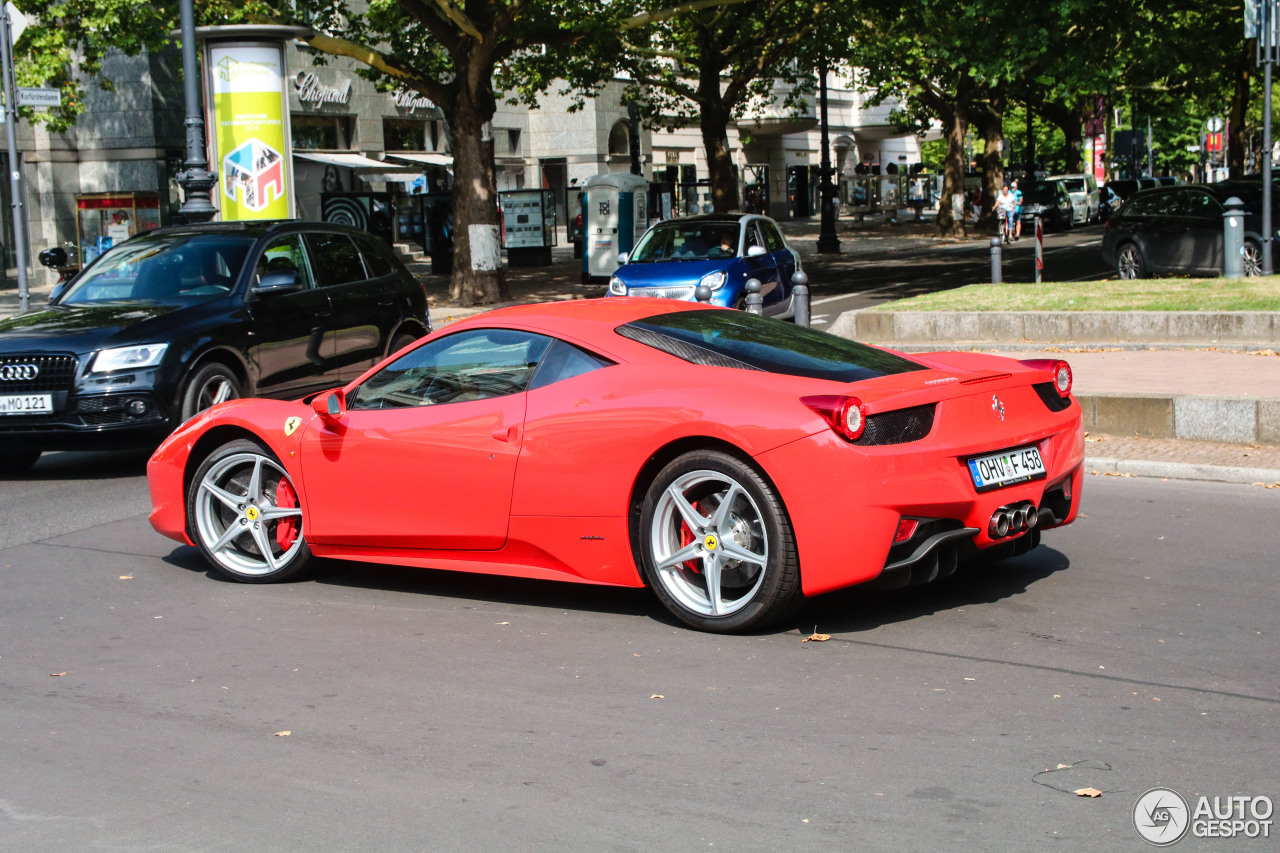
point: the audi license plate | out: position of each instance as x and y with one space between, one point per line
1006 468
26 404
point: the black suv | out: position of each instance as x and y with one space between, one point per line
172 321
1178 229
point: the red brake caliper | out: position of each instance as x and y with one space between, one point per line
686 537
286 528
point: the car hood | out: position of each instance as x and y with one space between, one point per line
668 273
81 328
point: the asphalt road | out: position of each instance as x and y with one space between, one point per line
146 704
851 282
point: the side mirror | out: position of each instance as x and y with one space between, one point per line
756 251
54 258
331 405
280 281
622 258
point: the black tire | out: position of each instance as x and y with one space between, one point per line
400 341
750 593
211 383
271 546
1129 263
17 461
1251 258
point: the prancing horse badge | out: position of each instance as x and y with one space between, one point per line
291 425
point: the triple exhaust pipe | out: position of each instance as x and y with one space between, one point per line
1013 519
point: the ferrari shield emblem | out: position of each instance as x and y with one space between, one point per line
291 425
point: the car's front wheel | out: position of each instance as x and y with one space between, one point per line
245 516
1129 263
211 384
717 546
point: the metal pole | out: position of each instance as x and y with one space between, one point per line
828 242
195 179
15 172
1268 39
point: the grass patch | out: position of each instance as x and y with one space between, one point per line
1149 294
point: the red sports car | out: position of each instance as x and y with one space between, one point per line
734 464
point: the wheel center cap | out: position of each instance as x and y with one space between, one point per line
251 513
711 542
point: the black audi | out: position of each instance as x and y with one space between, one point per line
170 322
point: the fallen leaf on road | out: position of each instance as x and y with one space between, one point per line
126 577
816 638
282 734
1063 766
504 623
657 696
1088 792
56 674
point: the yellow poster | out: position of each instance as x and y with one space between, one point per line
251 148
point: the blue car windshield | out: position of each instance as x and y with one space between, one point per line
687 241
175 269
738 339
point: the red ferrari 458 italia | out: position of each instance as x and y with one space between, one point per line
732 463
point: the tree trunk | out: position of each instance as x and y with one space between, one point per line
1071 123
990 124
951 218
714 123
1237 139
478 277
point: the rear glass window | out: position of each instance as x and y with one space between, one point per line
762 344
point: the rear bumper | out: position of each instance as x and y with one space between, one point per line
845 503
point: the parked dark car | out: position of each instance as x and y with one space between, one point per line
1049 201
1178 229
170 322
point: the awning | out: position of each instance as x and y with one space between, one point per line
424 158
361 164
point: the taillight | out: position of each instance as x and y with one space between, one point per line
846 415
1061 373
906 529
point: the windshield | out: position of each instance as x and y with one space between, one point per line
178 269
687 241
1042 192
746 340
1074 185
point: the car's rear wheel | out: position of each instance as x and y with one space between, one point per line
717 546
17 461
1251 255
1129 263
245 516
211 384
400 341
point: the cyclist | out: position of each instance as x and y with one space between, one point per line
1005 203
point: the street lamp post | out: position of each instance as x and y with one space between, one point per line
1266 56
195 179
828 242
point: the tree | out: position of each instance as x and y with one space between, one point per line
720 63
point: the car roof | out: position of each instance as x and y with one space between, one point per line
729 218
254 228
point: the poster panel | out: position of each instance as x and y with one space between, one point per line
250 141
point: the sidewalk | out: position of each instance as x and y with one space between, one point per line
1169 387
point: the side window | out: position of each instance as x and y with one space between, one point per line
772 239
284 254
471 365
1140 207
752 237
1204 206
336 258
565 361
375 253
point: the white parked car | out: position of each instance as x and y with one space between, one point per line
1085 199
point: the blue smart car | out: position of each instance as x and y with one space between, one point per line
720 250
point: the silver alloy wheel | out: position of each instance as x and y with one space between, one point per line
708 543
1129 263
216 389
237 518
1251 257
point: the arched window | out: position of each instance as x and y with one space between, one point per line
620 139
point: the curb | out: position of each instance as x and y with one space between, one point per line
1182 471
1233 420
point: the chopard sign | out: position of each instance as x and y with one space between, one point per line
19 372
411 100
312 91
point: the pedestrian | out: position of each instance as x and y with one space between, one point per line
977 205
1017 211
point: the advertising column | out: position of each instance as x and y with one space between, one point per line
249 130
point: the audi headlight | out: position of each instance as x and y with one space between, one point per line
128 358
616 286
714 280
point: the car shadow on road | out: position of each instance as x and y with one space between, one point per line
85 465
859 609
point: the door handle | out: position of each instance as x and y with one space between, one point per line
507 433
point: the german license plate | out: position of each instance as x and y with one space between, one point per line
1006 468
26 404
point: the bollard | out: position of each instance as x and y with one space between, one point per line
800 298
754 302
1233 239
996 278
702 293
